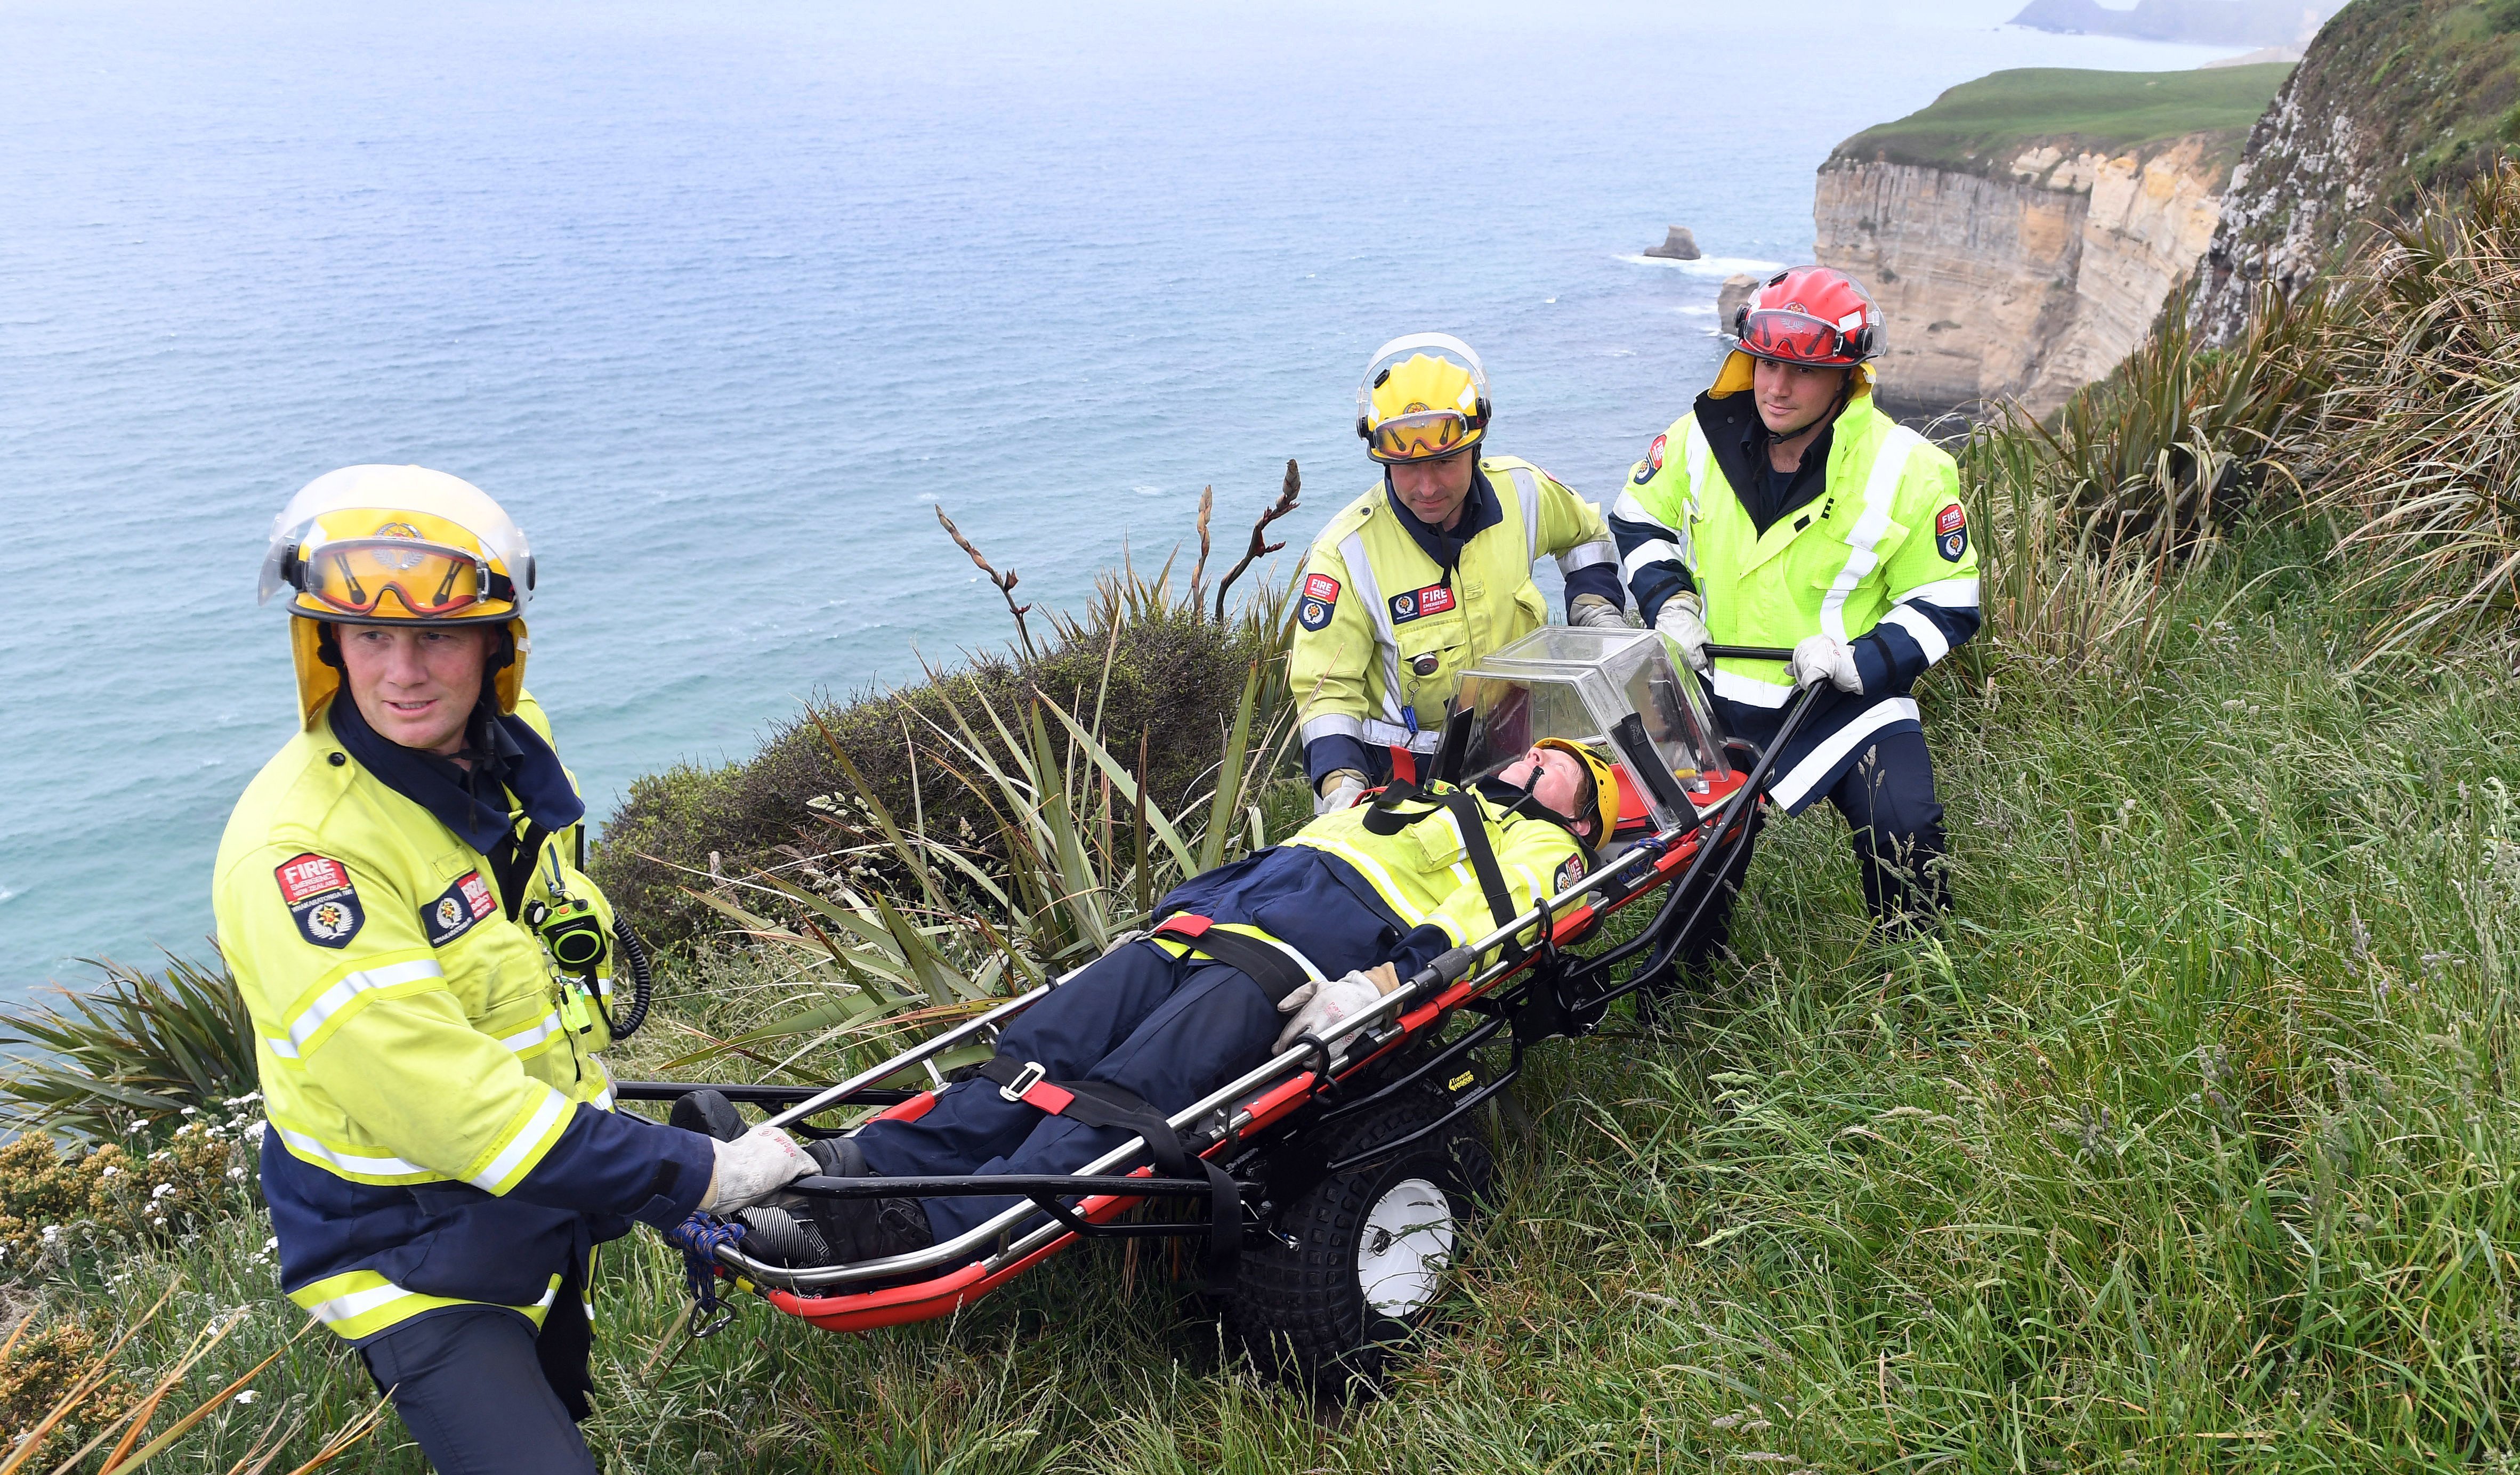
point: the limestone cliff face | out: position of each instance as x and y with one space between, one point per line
2394 99
2027 280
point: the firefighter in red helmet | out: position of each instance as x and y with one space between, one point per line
1786 510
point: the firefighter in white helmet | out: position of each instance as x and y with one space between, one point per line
427 970
1429 571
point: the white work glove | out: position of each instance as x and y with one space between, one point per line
1591 612
1680 624
1825 657
1319 1006
1342 788
753 1167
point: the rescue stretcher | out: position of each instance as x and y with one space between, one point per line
1351 1157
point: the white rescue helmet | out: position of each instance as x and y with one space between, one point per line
396 545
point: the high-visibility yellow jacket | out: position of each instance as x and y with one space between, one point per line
1343 897
440 1130
1424 873
1384 628
1881 557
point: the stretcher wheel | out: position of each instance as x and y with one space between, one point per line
1357 1263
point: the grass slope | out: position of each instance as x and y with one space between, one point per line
2191 1152
1973 125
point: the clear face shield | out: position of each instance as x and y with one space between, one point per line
1613 692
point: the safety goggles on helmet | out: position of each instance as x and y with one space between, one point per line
351 576
1795 337
1421 437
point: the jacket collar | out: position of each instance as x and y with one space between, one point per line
507 755
1725 421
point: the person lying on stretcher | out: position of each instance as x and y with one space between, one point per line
1246 958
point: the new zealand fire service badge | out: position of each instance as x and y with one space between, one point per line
320 898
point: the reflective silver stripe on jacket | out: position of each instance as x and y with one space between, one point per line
338 997
1880 496
1335 725
1359 572
1796 786
1396 735
1671 548
1527 487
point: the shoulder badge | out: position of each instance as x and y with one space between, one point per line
455 912
1653 463
1569 874
1951 533
1320 597
319 896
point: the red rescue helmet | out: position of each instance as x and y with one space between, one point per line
1813 315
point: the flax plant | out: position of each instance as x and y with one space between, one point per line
905 926
137 1050
2424 441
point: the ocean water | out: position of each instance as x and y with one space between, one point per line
723 302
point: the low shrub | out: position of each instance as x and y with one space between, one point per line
55 1204
47 1361
1145 656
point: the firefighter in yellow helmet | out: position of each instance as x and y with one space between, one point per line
428 974
1429 571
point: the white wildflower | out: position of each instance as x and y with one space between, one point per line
248 1397
161 1191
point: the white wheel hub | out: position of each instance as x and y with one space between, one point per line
1404 1246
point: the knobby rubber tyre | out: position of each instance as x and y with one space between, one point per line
1370 1255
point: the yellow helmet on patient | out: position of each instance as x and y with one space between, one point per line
396 545
1601 782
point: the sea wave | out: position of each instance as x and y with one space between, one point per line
1718 267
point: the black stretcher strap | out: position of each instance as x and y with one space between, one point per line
1098 1103
1386 819
1277 974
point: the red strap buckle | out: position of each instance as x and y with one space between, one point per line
1031 1088
1185 924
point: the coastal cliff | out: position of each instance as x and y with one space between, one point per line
2022 233
2394 97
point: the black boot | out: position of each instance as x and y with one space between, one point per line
795 1229
708 1113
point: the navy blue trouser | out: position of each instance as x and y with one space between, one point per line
470 1385
1169 1029
1887 796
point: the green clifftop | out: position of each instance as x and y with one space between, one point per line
1974 126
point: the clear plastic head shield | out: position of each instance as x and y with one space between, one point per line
1613 691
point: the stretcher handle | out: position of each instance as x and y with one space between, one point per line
1000 1186
1749 652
